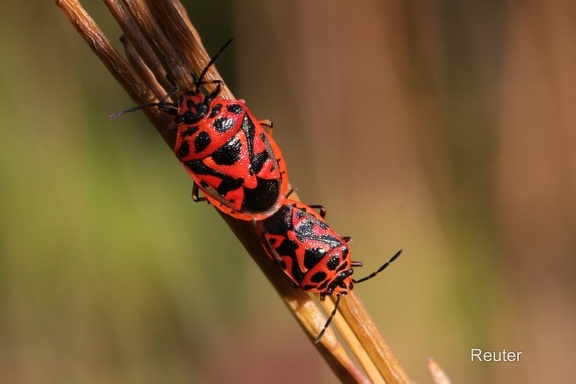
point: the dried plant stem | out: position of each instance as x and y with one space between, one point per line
160 40
438 374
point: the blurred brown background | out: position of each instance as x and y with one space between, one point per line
445 128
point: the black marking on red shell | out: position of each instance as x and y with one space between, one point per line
229 153
236 109
202 141
223 124
215 110
261 198
183 149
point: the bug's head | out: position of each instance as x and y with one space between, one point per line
344 283
334 274
192 107
341 284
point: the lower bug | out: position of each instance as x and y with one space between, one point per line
311 253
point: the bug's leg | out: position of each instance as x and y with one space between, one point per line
272 254
321 209
169 128
268 124
290 191
195 194
322 212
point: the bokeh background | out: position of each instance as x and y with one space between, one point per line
446 128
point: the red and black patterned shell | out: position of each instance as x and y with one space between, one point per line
311 253
230 156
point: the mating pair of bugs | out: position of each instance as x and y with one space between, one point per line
239 168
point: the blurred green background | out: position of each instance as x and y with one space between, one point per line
443 128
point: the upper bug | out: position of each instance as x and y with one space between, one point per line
311 253
227 151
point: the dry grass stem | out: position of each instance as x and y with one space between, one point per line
438 374
160 40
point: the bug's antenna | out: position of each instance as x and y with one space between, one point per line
329 320
383 267
355 264
162 104
210 63
171 107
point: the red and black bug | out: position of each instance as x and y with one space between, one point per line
226 150
311 253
